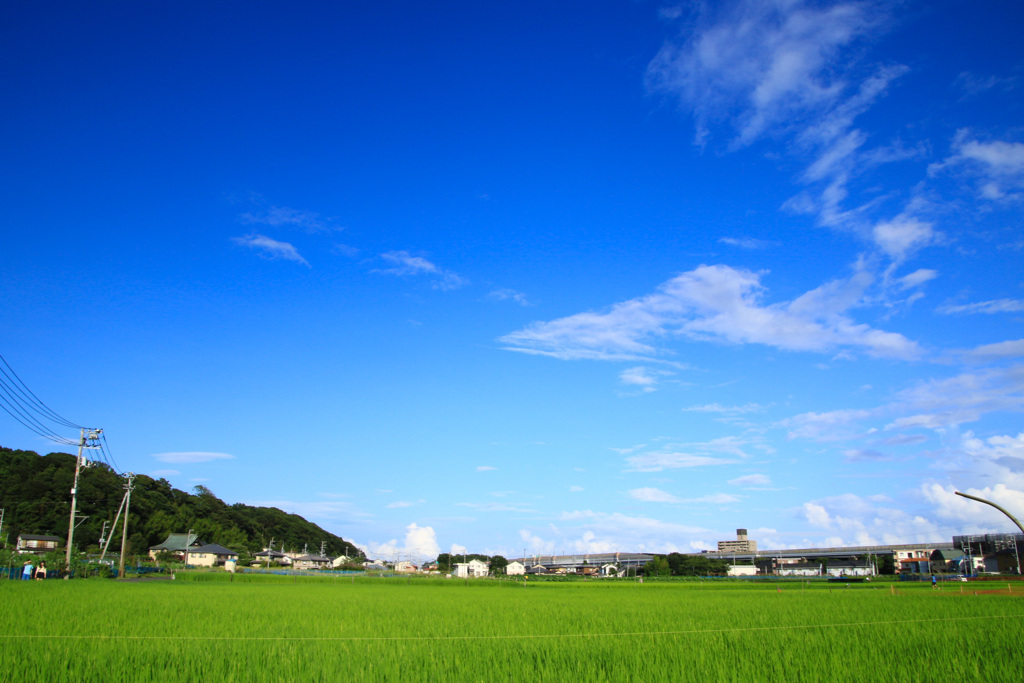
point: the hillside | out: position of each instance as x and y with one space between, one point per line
35 495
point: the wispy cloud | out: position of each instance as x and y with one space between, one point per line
752 481
405 264
760 65
989 307
485 468
746 242
509 295
653 495
732 410
715 303
792 71
999 350
270 248
191 457
283 216
645 378
998 166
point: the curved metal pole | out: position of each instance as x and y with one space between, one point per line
989 502
997 507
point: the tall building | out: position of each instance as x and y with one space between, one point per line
741 545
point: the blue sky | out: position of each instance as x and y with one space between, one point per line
541 277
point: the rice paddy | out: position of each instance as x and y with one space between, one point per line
282 628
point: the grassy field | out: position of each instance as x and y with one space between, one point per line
290 629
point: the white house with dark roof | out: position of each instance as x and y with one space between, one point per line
211 555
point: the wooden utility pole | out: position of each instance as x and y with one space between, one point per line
124 532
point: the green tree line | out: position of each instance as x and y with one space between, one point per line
35 493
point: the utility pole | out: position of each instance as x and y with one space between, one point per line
188 542
89 438
103 534
124 532
2 523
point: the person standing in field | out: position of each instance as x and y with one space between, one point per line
41 571
26 572
934 581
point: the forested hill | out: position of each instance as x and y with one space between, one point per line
35 493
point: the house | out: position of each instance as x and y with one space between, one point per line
537 569
515 568
609 570
311 562
211 555
850 568
340 560
267 556
39 545
176 544
741 570
946 559
799 569
405 566
1002 562
473 568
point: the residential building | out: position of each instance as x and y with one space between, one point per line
515 568
741 570
311 562
36 544
840 568
211 555
472 569
176 544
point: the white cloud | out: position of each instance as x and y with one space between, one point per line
271 248
645 378
509 295
575 489
164 473
998 166
191 457
405 264
990 307
495 507
485 468
752 480
828 426
761 64
316 511
718 408
282 216
971 514
917 278
586 531
715 303
746 242
457 549
901 236
405 503
652 495
656 462
1006 349
420 544
856 520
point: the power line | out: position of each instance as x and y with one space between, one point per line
31 398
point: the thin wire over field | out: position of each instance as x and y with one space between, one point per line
527 636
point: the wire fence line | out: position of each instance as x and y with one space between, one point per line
524 636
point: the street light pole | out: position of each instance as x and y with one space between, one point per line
997 507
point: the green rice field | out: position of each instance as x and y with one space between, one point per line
268 628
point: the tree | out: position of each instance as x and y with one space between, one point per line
498 564
658 567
